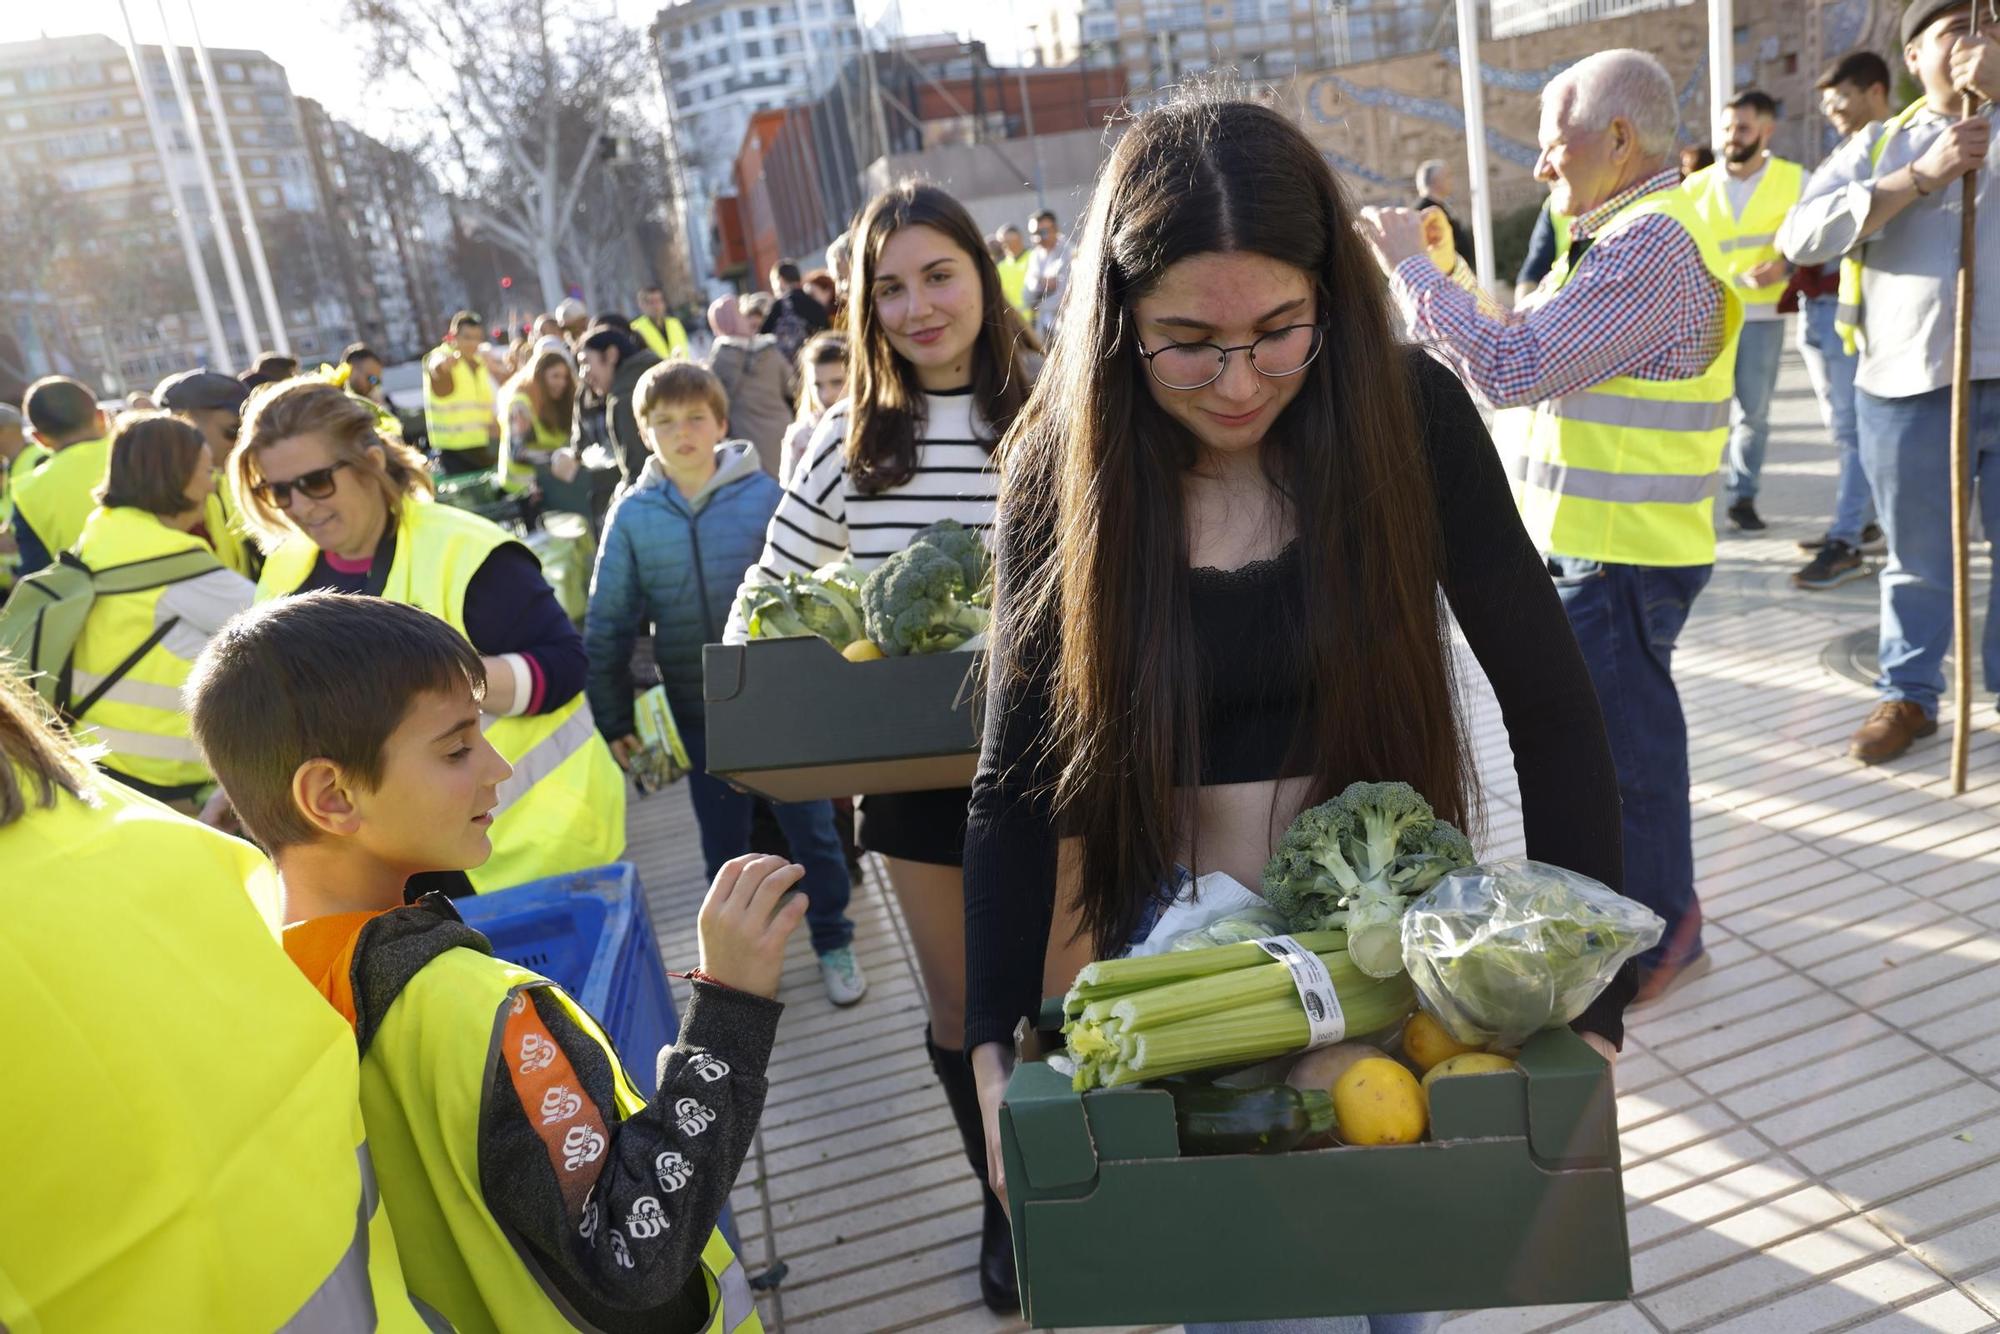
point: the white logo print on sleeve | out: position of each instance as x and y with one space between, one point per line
673 1171
648 1219
582 1145
691 1118
560 1103
587 1226
520 1005
708 1067
537 1053
618 1250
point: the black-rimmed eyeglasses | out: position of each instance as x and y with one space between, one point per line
1277 354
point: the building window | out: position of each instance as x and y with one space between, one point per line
753 49
232 72
260 166
747 19
775 14
267 197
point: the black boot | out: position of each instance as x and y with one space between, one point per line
997 1283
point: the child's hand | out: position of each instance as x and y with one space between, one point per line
743 926
623 749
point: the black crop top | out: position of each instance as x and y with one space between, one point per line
1499 591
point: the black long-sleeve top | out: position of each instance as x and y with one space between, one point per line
1499 590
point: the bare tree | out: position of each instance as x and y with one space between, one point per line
523 93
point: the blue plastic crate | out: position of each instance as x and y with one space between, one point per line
589 933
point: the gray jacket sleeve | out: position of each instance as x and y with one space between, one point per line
1826 222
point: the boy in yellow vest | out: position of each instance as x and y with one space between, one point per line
530 1185
52 500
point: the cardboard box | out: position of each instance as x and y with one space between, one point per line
792 720
1514 1201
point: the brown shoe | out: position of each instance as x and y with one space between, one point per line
1890 729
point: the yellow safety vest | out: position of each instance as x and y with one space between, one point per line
1752 239
462 419
140 717
668 342
513 475
564 807
227 534
55 498
32 456
424 1077
1847 305
1625 471
181 1140
1014 282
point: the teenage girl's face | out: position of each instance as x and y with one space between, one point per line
555 380
830 382
1227 299
927 297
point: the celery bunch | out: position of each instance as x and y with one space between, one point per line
1133 1019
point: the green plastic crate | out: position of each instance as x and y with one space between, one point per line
1515 1200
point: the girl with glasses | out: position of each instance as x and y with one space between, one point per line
1232 515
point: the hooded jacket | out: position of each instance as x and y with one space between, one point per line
674 562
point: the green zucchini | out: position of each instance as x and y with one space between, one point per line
1270 1118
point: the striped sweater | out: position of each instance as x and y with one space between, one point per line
822 517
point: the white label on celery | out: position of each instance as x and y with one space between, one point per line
1324 1019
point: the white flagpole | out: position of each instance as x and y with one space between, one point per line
253 239
1721 62
1472 91
218 344
225 245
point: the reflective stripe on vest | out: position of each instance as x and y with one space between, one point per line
144 745
344 1301
1847 305
1625 472
125 690
460 419
1751 239
568 813
732 1306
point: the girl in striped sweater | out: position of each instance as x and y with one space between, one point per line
935 379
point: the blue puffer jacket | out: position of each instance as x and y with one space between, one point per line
674 563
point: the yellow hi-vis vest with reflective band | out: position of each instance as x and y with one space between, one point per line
181 1141
669 341
457 1255
564 807
1847 305
226 533
514 474
1752 239
462 419
141 716
1624 472
56 498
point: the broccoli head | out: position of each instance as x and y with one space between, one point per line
825 608
768 612
917 602
962 544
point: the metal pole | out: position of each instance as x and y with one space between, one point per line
218 344
253 239
1472 91
232 272
1961 431
1028 123
1721 60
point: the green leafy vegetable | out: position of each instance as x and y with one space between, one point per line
917 601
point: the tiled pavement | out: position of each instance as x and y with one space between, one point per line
1811 1131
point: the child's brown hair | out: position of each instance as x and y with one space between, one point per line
672 383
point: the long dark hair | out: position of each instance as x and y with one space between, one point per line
1096 594
885 400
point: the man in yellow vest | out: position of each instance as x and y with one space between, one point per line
181 1140
1743 198
460 418
1013 266
660 331
532 1187
1628 358
1886 204
52 502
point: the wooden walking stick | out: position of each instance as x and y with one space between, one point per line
1961 430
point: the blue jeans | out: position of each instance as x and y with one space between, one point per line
1831 368
1757 352
724 815
1626 619
1906 451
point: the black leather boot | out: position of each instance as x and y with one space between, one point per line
997 1283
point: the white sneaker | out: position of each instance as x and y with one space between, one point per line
842 976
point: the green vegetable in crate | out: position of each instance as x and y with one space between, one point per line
962 544
1356 861
917 601
768 612
1208 1008
826 608
1237 928
1268 1119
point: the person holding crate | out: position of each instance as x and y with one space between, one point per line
934 382
344 506
1226 517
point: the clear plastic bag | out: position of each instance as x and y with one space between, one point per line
1505 949
1245 924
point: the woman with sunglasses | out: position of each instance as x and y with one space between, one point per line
340 504
1227 514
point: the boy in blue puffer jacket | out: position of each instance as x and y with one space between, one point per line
675 547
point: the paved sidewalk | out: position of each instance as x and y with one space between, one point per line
1811 1131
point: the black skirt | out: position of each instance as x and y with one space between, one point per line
924 827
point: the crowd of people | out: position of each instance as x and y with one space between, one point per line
294 704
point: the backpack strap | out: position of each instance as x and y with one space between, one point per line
135 577
116 674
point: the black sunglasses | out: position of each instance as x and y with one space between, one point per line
315 485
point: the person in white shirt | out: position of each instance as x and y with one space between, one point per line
1048 274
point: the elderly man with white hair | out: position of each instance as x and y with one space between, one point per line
1626 358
